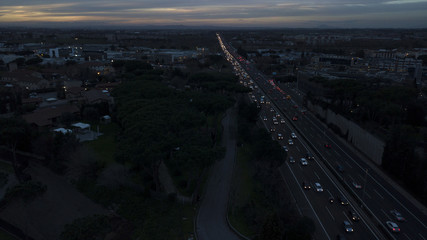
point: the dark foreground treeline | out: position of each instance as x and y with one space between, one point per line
261 207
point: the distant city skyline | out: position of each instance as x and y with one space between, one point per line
220 13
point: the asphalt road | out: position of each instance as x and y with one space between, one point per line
211 219
378 194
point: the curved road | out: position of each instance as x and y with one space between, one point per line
211 219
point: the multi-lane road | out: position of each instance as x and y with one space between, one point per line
339 169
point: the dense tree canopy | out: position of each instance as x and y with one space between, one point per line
161 124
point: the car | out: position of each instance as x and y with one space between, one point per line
271 109
303 161
277 115
275 122
293 135
342 200
279 136
294 118
291 159
282 120
285 148
393 226
353 215
306 186
295 106
331 199
347 226
265 118
258 106
290 142
318 187
356 185
327 145
309 156
397 215
272 129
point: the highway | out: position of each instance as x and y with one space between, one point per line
338 168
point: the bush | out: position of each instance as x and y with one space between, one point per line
3 179
26 191
93 227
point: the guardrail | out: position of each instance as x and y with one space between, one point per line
345 185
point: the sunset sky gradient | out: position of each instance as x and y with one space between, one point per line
225 13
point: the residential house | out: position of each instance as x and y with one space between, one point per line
50 116
26 79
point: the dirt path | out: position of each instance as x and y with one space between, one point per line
211 219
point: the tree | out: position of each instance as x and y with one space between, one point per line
424 58
15 133
20 61
302 230
33 61
91 227
271 229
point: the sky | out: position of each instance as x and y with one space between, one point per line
222 13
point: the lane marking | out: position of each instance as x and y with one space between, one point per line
335 186
382 210
373 231
316 175
339 155
295 200
348 164
330 213
421 236
388 192
378 194
345 215
368 195
406 235
318 219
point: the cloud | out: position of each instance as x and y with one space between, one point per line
255 12
405 1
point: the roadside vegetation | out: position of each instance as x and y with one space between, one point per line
154 123
169 116
259 207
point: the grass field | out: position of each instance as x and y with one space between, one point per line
242 193
104 146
